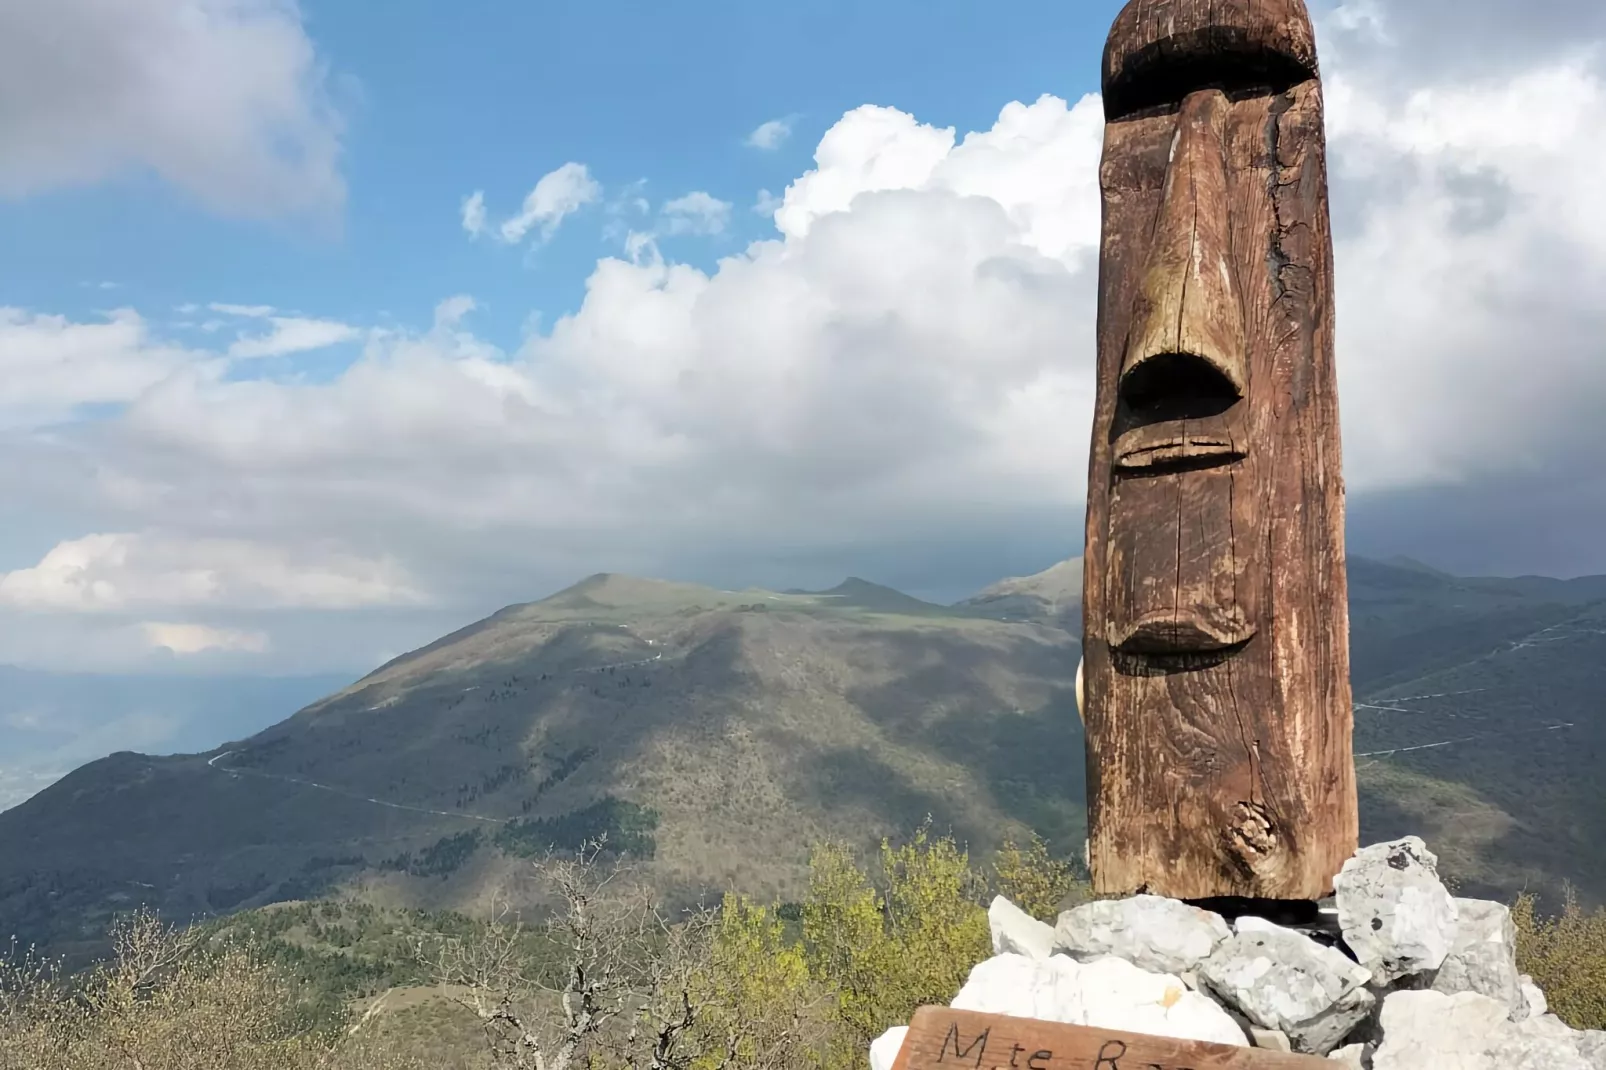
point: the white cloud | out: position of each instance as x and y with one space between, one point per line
771 135
903 353
247 311
558 195
450 311
185 639
910 356
767 203
50 366
870 148
696 213
123 571
225 98
1459 354
474 213
293 334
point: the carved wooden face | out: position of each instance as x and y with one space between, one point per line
1189 346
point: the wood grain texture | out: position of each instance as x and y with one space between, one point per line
943 1039
1216 665
1243 42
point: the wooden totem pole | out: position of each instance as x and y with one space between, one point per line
1216 633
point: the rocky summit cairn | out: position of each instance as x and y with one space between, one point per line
1414 979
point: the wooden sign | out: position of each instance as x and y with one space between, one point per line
1215 632
944 1039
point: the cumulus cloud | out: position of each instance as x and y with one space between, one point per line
1461 205
905 367
131 571
696 213
224 98
771 135
558 195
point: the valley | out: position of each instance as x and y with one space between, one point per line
717 735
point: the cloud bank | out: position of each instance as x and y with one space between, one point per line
902 374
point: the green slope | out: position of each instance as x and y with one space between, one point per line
725 731
720 733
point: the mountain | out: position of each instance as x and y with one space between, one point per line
1483 726
1407 620
718 734
1053 596
51 722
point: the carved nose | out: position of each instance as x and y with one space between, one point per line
1187 336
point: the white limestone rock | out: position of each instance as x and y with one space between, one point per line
1518 1049
1592 1046
1483 957
1533 1003
1119 995
1395 914
884 1048
1017 932
1469 1031
1270 1039
1281 979
1107 993
1149 931
1353 1056
1025 987
1249 923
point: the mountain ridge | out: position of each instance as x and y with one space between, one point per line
721 732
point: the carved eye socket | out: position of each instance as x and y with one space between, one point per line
1158 77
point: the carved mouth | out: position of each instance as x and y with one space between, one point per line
1183 632
1177 444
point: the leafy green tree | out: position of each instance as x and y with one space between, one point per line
881 953
1034 880
759 1005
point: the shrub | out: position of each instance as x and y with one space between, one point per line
1566 956
760 1007
1034 880
883 952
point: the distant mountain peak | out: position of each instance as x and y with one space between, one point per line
1413 565
618 589
854 584
1052 594
864 594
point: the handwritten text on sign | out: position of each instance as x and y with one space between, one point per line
944 1039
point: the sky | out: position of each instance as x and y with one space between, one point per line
326 328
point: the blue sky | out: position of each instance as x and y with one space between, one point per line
439 100
270 406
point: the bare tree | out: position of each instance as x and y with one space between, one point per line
608 976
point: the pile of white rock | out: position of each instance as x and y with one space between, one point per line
1429 980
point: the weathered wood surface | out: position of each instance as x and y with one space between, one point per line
1216 633
944 1039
